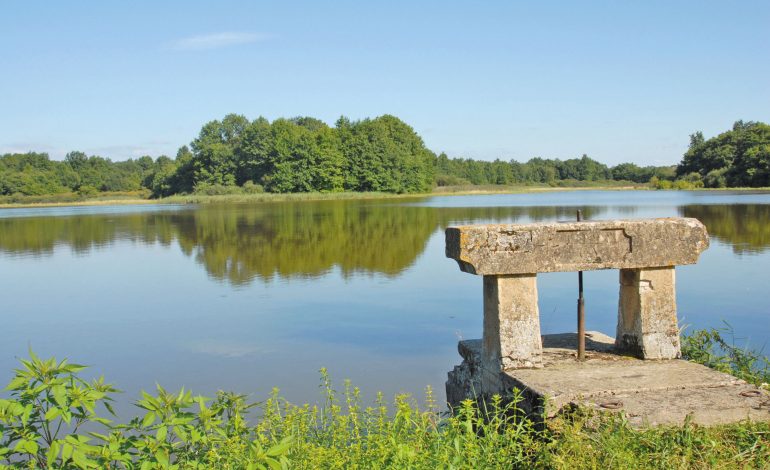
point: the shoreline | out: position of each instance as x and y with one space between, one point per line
310 197
92 202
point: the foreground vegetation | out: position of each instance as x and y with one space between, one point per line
54 419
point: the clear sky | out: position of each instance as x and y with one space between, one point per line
620 81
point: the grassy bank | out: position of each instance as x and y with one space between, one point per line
42 422
277 197
236 197
77 199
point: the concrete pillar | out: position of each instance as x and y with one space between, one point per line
511 336
647 325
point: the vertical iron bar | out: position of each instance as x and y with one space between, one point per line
581 311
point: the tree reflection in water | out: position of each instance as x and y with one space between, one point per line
242 243
745 227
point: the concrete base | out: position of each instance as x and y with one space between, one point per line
649 392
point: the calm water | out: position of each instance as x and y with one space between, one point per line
249 297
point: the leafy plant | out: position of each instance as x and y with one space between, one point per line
50 420
49 404
709 347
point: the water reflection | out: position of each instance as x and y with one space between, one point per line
362 287
241 243
238 244
745 227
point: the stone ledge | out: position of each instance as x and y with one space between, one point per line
505 249
649 392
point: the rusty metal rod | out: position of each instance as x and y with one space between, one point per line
581 311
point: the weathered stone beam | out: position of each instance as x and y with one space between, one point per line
576 246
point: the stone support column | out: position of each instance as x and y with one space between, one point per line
511 337
647 324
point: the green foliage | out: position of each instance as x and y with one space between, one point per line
690 182
34 174
103 174
214 159
738 157
50 420
87 190
590 441
632 172
215 189
249 187
302 160
383 154
48 405
303 154
42 426
554 172
661 184
708 347
450 180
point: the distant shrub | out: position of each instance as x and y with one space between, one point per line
250 187
87 191
216 189
690 181
695 179
687 185
716 179
658 183
450 180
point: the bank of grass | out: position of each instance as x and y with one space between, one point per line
42 424
236 195
239 195
564 185
237 198
77 199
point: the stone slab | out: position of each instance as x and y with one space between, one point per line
649 392
499 249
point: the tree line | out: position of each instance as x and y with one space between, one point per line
384 154
456 171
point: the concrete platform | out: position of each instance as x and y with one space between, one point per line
650 392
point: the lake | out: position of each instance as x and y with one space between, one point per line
254 296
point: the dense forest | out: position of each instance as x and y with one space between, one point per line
383 154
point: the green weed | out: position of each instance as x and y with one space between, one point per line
51 418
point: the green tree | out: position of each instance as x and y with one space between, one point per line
253 153
214 160
385 154
183 179
738 157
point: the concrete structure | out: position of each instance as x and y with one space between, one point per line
510 256
512 353
648 392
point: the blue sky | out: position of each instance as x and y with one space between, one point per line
620 81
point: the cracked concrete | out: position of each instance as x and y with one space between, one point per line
649 392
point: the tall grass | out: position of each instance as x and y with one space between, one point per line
710 348
42 422
74 198
201 198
